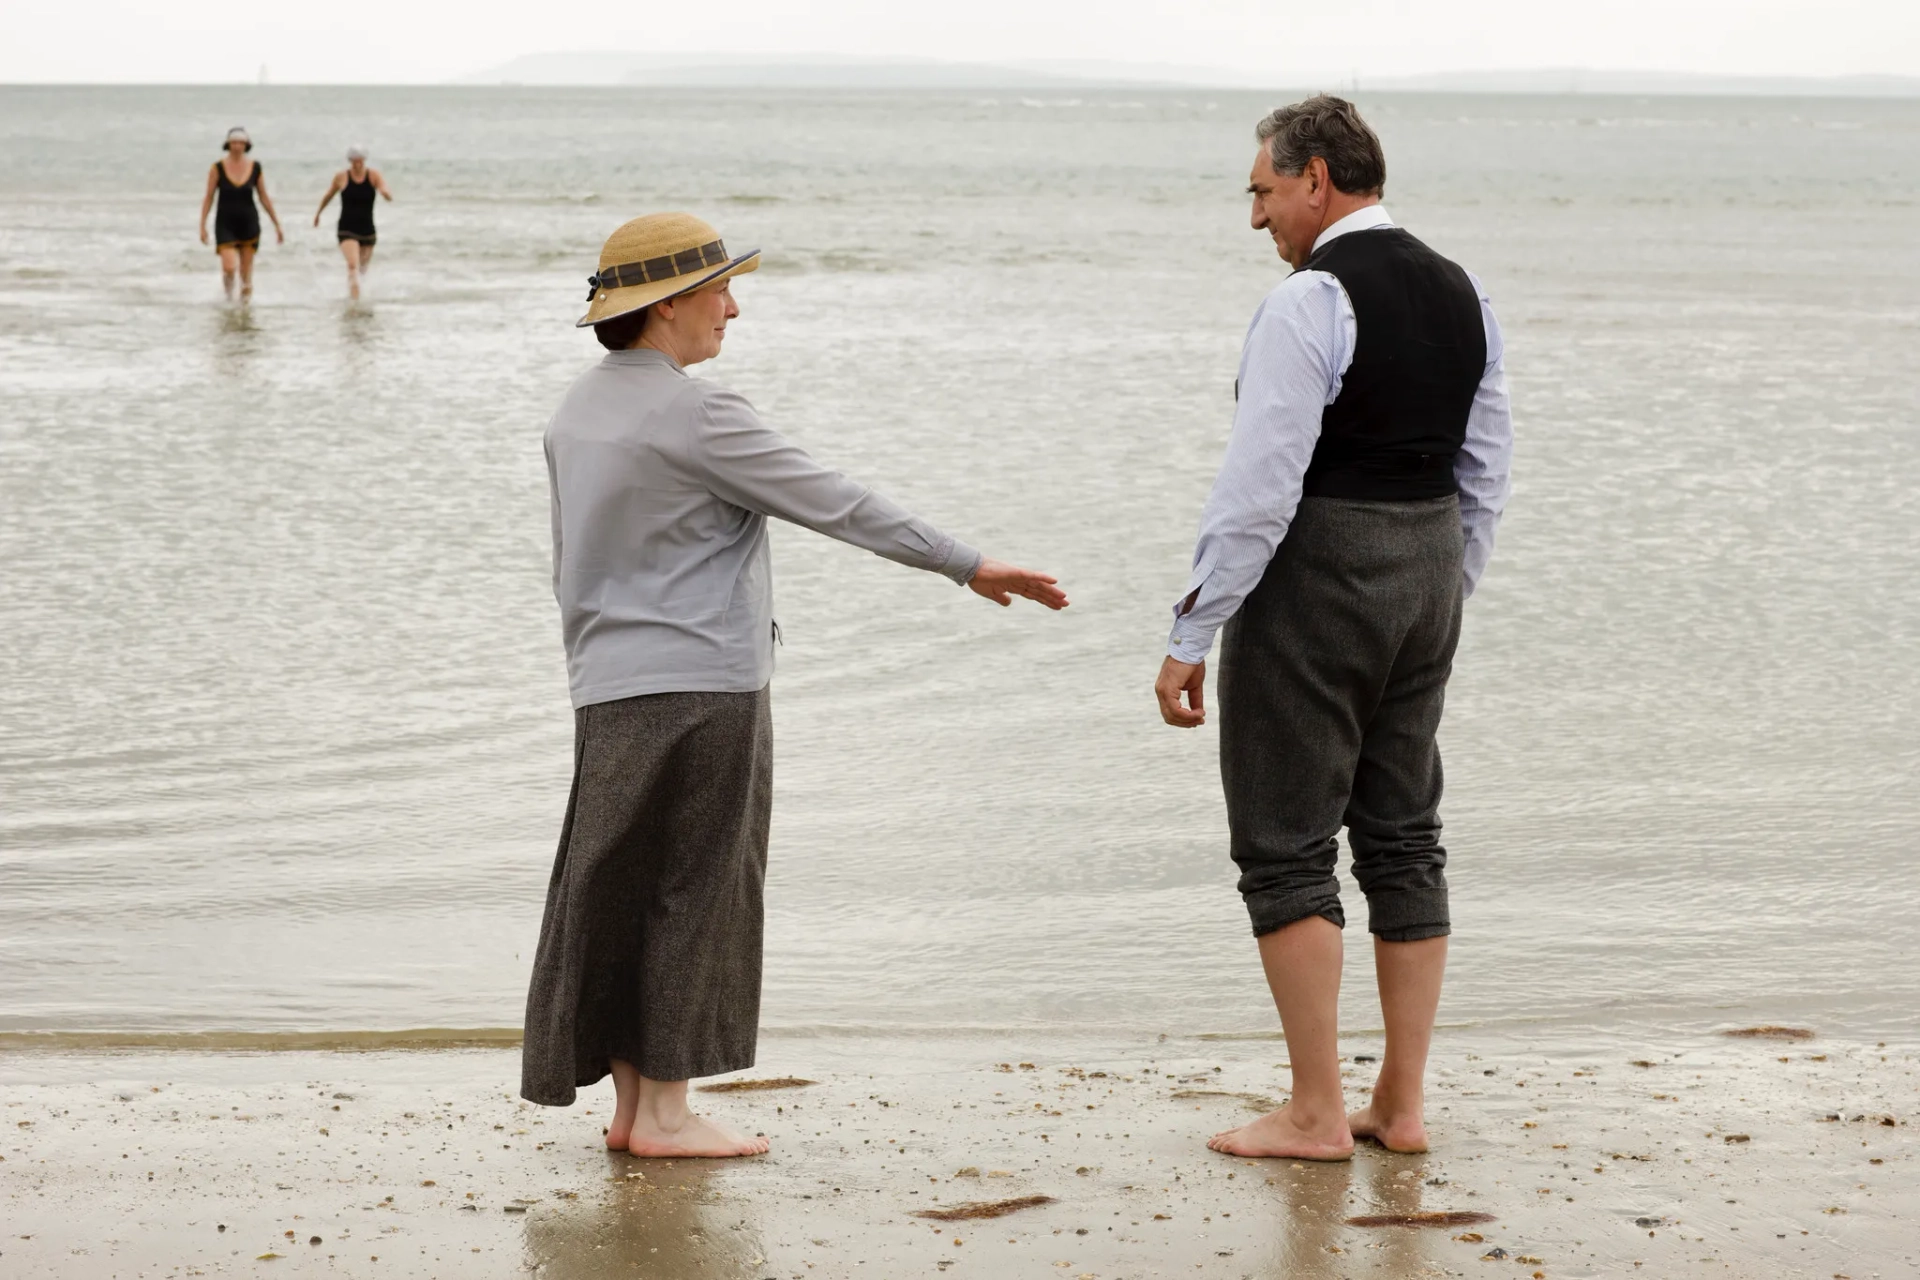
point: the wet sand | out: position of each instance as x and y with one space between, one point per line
1693 1156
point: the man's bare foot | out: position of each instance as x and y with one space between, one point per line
1278 1133
1402 1131
694 1137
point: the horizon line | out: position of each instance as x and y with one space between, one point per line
1710 85
691 69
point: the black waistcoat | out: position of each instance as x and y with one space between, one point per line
1419 353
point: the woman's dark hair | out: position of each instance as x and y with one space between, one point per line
621 332
1332 129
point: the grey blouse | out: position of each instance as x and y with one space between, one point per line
662 484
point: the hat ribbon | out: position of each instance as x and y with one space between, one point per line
654 270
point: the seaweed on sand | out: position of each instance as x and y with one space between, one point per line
984 1209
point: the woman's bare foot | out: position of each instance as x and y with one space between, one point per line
650 1118
620 1128
1395 1129
626 1104
694 1136
1279 1133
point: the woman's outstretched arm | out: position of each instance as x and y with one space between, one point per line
751 465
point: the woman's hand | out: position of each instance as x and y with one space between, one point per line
1000 582
203 233
279 236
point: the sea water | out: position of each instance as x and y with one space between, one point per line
284 734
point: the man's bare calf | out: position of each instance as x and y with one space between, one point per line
1409 975
1302 963
651 1118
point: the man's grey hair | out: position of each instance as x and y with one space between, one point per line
1332 129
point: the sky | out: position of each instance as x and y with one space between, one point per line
429 41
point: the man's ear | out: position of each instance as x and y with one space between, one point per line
1317 175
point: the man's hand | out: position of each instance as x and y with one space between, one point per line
1001 582
1177 677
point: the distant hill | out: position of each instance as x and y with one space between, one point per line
841 71
823 71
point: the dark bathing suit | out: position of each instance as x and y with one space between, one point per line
237 222
356 211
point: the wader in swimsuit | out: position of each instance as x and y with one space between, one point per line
356 211
236 222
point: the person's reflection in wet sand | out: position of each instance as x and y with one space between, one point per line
1395 1187
1310 1219
662 1225
1315 1240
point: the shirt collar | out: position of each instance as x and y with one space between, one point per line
642 356
1374 215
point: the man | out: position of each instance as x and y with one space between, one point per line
1355 510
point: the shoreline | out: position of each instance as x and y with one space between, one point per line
405 1162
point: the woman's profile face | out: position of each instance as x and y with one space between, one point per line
702 319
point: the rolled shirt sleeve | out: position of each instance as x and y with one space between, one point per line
1296 351
1483 467
751 465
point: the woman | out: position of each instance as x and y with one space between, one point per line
355 186
649 959
236 228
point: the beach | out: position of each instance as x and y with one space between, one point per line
1702 1156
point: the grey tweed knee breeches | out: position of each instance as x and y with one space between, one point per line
1332 679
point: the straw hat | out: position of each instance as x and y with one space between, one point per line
660 256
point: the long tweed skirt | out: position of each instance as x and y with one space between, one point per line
650 949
